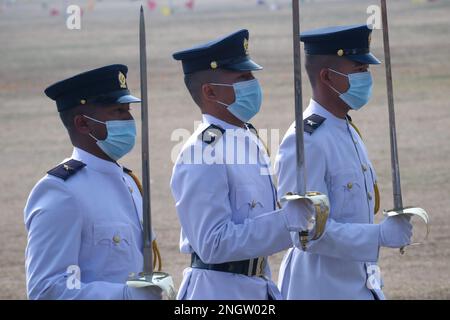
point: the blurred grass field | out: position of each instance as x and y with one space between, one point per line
37 49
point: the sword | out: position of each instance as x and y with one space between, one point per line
319 201
396 184
298 102
147 210
147 277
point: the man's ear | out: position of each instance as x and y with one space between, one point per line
324 76
80 124
208 92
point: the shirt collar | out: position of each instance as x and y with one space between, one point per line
96 163
316 108
209 119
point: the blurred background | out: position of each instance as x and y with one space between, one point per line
37 49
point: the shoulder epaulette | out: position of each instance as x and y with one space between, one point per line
212 134
311 123
67 169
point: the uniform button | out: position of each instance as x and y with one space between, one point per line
369 195
253 204
116 239
349 185
131 189
364 167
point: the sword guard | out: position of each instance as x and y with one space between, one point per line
318 222
410 212
161 280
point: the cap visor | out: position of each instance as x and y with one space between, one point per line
128 99
367 58
246 65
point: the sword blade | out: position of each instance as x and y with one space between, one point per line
146 210
300 158
396 185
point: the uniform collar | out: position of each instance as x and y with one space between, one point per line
209 119
96 163
316 108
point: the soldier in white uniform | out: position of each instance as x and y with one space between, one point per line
225 198
84 218
342 264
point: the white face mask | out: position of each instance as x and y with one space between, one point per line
120 139
360 90
248 99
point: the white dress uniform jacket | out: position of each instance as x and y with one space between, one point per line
227 213
338 265
90 222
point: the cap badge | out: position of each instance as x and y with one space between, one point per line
213 64
340 52
122 80
246 46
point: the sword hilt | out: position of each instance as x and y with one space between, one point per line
318 222
410 212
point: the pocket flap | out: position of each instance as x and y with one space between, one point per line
346 180
248 195
108 234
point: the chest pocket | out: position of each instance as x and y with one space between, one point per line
248 203
112 247
347 193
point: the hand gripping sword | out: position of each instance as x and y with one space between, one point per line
396 185
147 277
316 199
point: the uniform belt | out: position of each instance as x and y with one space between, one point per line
252 267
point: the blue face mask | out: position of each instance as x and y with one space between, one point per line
360 90
248 99
120 139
